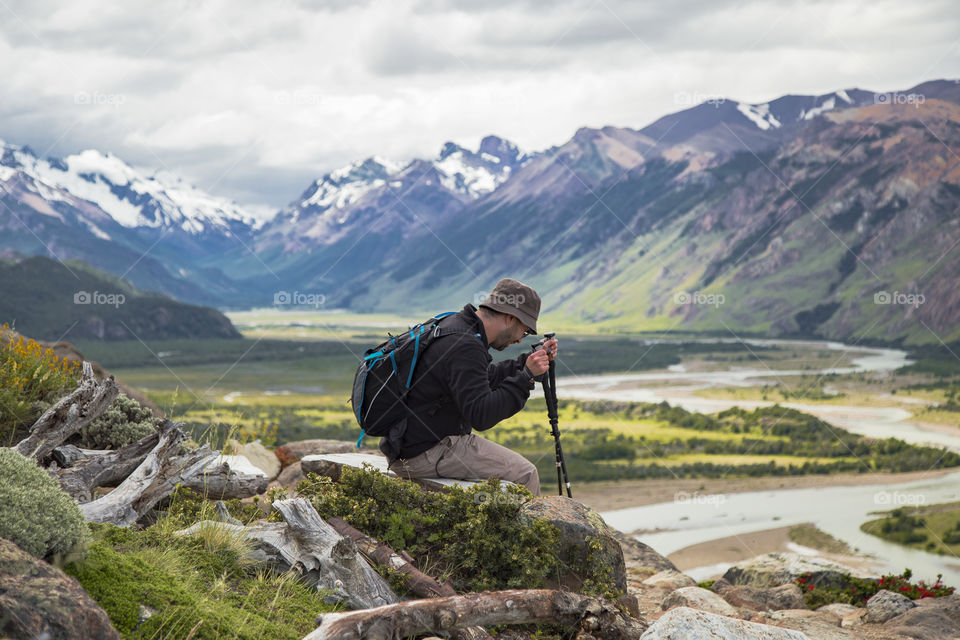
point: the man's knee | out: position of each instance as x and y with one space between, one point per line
527 476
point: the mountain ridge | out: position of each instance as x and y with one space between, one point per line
705 199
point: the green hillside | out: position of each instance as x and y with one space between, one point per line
51 300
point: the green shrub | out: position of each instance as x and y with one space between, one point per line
123 422
856 591
477 542
32 378
34 512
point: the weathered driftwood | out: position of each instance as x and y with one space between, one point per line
154 479
66 455
438 615
314 550
220 482
86 469
418 582
317 547
73 412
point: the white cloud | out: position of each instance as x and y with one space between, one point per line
258 98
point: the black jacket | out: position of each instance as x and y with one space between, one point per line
457 388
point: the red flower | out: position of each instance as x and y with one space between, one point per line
810 588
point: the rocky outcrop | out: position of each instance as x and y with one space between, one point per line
690 624
293 451
291 475
640 557
698 598
815 625
787 596
669 580
775 569
38 600
931 619
259 456
838 609
884 605
585 539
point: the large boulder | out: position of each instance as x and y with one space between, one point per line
293 451
814 624
786 596
585 539
259 456
669 580
698 598
931 619
684 623
40 601
641 558
291 475
884 605
775 569
838 609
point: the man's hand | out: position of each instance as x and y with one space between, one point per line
538 362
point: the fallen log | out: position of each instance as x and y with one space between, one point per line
154 479
438 615
313 546
418 582
70 414
86 469
221 482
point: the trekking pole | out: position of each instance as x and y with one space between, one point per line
550 395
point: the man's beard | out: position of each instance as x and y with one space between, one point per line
500 342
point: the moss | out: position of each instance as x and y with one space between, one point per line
188 586
35 513
125 421
479 543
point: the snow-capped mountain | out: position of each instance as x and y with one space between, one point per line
380 194
132 198
722 125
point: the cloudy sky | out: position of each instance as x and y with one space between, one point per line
253 100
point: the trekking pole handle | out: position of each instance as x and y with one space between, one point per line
539 345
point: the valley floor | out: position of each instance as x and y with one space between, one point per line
608 496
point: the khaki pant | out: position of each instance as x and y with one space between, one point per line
470 457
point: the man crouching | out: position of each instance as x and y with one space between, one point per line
459 390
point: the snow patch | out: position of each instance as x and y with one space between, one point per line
828 104
759 114
843 96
